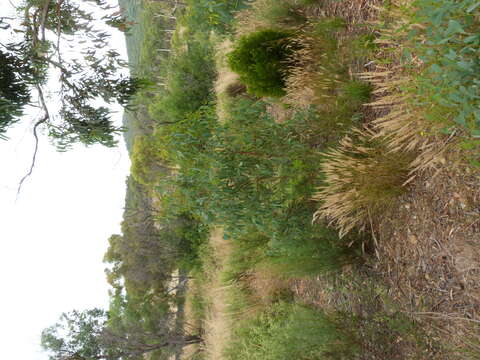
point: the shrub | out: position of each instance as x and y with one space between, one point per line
261 60
287 331
362 178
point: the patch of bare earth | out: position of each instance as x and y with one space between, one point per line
217 327
429 253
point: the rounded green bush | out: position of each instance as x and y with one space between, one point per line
261 60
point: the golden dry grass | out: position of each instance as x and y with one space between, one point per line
405 126
225 79
310 81
268 14
362 178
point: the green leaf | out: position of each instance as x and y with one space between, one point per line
436 68
475 163
473 7
470 39
467 145
454 27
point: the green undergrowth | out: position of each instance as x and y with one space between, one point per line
286 331
443 35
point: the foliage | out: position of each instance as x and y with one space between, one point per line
207 15
287 331
264 177
148 165
83 330
14 91
448 42
261 61
87 335
190 80
86 82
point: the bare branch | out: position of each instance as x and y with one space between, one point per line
43 18
44 119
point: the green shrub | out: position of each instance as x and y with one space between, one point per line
261 60
287 331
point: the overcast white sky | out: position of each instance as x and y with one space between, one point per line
52 239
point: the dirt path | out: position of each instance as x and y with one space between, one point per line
217 328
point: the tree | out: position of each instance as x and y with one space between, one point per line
88 335
49 29
148 161
89 78
14 93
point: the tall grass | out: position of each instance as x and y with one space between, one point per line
270 14
316 66
362 178
286 331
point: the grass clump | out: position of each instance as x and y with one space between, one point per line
270 14
318 67
286 331
362 178
261 61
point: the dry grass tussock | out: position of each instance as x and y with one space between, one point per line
408 123
405 126
325 53
217 324
312 80
269 14
370 170
226 79
362 178
267 286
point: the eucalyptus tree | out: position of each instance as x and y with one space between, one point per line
94 335
59 59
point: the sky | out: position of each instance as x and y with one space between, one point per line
54 234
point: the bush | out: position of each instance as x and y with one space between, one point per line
287 331
261 60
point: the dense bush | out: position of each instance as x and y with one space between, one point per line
261 60
287 331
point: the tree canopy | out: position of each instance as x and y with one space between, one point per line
59 50
94 334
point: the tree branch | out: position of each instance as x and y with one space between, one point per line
43 18
44 119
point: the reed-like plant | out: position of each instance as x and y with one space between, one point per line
270 14
362 178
